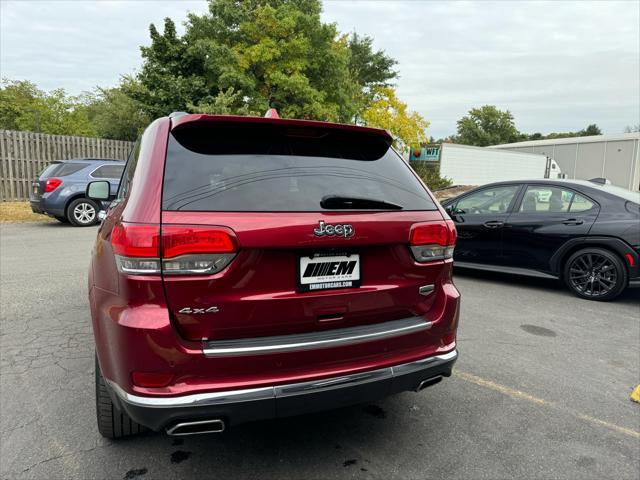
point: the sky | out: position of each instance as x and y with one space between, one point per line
557 66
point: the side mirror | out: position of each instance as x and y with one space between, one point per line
102 215
453 210
99 190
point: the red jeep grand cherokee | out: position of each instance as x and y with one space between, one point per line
252 268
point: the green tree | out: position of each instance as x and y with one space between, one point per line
369 70
592 129
430 175
449 139
25 107
226 102
368 67
388 112
486 126
114 113
18 100
248 56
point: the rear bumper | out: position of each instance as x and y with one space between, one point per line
239 406
48 206
36 206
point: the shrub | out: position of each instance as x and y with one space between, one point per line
430 174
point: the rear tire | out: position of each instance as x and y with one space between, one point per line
83 212
595 274
112 422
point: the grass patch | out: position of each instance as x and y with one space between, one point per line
11 212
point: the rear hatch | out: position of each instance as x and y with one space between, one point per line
311 225
54 174
38 185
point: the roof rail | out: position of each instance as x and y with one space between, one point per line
177 114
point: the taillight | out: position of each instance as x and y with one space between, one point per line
51 184
179 240
181 250
131 240
432 240
137 248
196 250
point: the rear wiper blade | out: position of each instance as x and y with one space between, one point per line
336 202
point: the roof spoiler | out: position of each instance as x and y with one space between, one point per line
600 181
184 120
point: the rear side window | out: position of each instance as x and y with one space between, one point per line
547 199
275 169
108 171
48 171
129 170
580 204
66 169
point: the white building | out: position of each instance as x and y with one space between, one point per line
615 157
466 165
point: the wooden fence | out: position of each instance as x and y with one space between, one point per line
25 154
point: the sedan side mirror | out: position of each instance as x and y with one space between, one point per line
99 190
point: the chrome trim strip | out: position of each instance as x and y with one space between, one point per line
428 362
280 391
309 341
196 399
333 383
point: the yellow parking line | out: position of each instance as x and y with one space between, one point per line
513 393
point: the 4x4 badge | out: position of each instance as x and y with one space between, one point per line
345 230
189 310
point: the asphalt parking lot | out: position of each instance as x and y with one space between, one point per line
541 390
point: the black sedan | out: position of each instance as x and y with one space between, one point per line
584 232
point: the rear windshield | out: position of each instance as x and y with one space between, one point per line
623 193
273 168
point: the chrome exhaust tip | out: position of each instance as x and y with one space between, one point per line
196 428
428 382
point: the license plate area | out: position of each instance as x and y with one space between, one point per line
328 271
